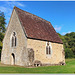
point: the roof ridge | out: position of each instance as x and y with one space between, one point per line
33 15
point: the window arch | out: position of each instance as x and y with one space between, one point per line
14 40
48 49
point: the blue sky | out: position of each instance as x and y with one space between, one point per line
61 14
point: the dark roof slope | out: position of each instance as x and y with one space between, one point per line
36 27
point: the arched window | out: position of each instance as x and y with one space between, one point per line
14 40
48 49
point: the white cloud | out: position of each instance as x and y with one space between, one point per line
14 3
3 9
20 4
7 12
7 8
63 33
66 32
57 28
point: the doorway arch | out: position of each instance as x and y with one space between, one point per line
12 59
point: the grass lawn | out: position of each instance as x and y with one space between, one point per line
68 68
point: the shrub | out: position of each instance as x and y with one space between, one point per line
68 53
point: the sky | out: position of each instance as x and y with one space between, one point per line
61 14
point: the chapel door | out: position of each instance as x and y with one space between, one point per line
12 59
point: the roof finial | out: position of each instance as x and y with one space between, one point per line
14 6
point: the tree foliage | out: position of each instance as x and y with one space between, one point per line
69 44
2 22
2 29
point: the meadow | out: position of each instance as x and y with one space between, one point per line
68 68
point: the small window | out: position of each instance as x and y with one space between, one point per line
48 49
14 40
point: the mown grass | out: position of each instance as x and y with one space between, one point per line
68 68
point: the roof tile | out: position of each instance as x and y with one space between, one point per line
36 27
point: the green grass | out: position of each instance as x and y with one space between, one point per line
68 68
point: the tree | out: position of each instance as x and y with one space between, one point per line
2 29
2 22
68 53
69 44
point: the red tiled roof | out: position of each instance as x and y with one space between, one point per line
36 27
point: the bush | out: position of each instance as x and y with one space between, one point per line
68 53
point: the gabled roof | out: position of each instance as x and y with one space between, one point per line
36 27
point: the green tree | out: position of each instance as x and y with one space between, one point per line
69 44
2 29
68 53
2 22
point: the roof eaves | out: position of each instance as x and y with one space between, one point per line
44 40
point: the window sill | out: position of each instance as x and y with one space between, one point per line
48 55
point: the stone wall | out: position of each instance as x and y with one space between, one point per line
20 51
39 47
